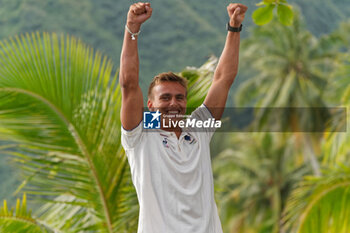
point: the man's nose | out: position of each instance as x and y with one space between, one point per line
173 102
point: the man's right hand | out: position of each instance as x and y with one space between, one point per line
137 15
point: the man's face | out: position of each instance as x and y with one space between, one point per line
169 98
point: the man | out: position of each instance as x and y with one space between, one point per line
171 168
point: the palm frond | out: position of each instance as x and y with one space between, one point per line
59 101
295 67
199 81
337 145
321 204
20 219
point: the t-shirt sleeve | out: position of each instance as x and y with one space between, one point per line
202 113
130 138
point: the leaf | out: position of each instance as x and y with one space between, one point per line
267 142
285 14
263 15
320 204
199 82
21 220
346 96
269 1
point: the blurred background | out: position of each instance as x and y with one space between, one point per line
263 181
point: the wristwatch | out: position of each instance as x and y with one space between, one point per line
233 29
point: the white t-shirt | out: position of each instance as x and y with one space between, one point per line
173 179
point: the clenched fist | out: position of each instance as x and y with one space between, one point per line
236 12
138 14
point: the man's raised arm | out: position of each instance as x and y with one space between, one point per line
227 68
132 100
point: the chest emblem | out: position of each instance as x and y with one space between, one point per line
189 139
165 143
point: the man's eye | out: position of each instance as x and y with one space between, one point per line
164 97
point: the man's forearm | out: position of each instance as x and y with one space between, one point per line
227 67
129 60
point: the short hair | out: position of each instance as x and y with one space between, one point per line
166 77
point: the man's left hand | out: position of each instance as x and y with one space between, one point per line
236 12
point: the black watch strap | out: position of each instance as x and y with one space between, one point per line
233 29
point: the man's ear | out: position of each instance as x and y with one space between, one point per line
149 104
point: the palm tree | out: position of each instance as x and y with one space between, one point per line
254 178
59 108
289 68
287 64
199 81
322 204
59 105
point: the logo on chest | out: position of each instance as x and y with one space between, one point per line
189 139
165 143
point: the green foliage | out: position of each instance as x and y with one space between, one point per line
255 177
285 14
336 148
199 80
264 14
321 204
337 145
20 220
60 104
290 68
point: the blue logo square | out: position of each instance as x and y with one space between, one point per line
151 120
